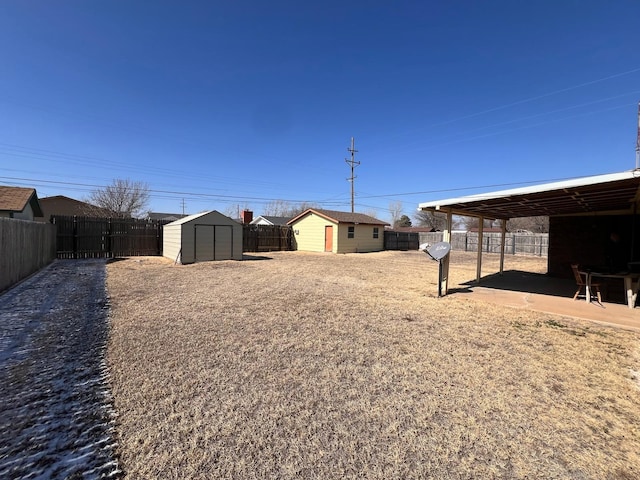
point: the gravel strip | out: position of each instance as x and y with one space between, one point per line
56 418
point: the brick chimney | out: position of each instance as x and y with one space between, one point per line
247 216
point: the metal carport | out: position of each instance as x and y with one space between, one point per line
615 193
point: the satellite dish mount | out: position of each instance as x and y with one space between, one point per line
437 251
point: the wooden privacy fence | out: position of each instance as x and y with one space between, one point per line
266 238
401 240
515 243
25 247
90 237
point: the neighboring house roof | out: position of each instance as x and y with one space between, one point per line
165 216
600 193
339 217
271 220
61 205
16 199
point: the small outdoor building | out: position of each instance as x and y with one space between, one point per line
317 230
583 214
20 203
202 237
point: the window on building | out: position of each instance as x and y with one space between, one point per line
352 232
375 232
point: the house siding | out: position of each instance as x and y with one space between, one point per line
310 236
26 214
362 240
171 241
310 233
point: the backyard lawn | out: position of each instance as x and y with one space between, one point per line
300 365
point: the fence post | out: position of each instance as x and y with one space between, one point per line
74 254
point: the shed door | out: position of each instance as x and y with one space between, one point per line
204 239
213 242
223 249
328 238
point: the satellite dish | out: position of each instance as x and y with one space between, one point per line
439 250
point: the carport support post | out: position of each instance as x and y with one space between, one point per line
479 262
502 243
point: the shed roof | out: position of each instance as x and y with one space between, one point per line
190 218
614 192
16 199
339 217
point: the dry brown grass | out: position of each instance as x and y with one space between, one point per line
348 366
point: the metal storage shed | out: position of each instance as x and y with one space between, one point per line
202 237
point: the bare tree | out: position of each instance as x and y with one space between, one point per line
539 224
395 209
122 199
436 221
283 208
234 210
372 212
474 222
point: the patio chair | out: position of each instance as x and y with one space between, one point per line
581 282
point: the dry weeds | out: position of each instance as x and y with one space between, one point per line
348 366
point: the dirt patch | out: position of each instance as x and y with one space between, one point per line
349 366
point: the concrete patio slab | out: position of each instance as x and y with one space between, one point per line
541 293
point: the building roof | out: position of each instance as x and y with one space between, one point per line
190 218
339 217
614 192
165 216
16 199
61 205
271 219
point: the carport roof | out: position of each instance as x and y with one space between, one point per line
614 192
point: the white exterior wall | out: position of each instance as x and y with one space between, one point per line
309 233
362 240
171 241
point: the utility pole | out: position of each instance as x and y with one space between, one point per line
638 141
183 205
353 164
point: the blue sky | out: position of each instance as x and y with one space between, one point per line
236 104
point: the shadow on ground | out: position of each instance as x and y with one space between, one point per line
520 281
246 257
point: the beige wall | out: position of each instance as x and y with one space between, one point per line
362 240
171 241
309 233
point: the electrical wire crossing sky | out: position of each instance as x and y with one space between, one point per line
231 105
